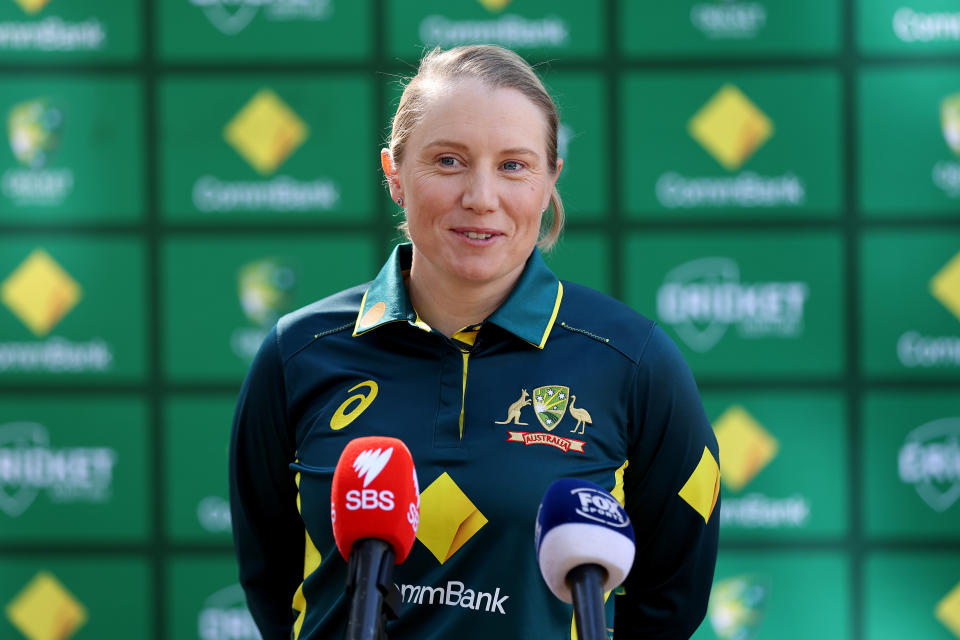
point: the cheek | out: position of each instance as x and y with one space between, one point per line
432 196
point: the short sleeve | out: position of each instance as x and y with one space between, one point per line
268 532
671 490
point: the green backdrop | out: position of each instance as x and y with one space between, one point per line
777 183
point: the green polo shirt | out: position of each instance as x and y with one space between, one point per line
560 381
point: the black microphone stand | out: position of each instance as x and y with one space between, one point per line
373 597
586 585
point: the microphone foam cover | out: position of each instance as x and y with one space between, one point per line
375 495
579 523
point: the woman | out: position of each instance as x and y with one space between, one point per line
499 378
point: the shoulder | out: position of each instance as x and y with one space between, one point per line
328 316
597 316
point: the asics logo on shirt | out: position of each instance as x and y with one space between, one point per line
352 407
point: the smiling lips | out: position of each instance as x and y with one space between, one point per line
477 235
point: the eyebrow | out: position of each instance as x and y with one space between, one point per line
458 145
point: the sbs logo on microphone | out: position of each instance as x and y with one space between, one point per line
600 507
413 511
368 465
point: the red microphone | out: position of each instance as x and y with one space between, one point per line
375 510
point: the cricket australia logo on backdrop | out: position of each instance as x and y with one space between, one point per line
930 461
230 17
737 606
266 290
550 404
729 19
700 299
946 173
35 131
225 616
29 465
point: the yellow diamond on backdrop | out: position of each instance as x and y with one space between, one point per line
950 121
447 518
45 610
945 286
266 131
745 447
730 127
948 611
32 6
40 293
494 5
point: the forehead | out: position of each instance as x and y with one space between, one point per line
471 108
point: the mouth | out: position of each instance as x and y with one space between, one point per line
473 235
478 236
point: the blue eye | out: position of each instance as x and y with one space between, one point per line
447 161
512 165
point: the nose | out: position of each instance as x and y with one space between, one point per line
480 193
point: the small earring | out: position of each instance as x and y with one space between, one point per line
400 201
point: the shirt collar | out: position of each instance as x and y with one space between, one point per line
528 312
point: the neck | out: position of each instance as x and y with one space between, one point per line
448 306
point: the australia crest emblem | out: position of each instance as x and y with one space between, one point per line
550 405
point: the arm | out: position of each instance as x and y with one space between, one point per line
670 488
268 533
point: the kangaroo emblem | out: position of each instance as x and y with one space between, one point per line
583 418
513 413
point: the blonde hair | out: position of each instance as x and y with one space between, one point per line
497 68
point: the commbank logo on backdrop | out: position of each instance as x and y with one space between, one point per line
946 173
945 286
448 519
265 133
495 5
930 461
729 19
40 292
32 6
230 17
702 298
225 616
46 610
747 449
917 350
947 610
918 26
34 129
731 128
29 465
737 606
52 33
509 30
266 291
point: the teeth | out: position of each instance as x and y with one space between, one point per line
478 236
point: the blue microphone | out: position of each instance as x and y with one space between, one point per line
585 547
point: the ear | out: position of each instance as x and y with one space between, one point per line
553 183
391 174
